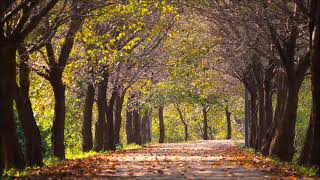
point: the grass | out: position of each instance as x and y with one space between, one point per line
128 147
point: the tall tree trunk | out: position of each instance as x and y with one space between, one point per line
12 154
149 125
282 144
109 134
186 132
137 127
228 117
205 123
184 122
161 124
57 139
144 127
310 154
102 108
261 127
31 131
253 121
246 118
87 143
1 158
129 126
118 117
278 114
56 68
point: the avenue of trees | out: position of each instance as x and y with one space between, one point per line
272 47
93 75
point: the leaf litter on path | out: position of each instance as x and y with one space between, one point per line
191 160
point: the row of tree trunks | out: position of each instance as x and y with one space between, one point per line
139 126
275 134
11 38
107 134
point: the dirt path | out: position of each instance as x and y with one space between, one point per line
194 160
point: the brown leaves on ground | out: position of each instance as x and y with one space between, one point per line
192 160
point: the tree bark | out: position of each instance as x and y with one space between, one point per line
282 144
109 135
102 108
57 139
129 127
118 117
137 127
258 76
186 132
253 121
205 123
1 158
228 117
278 114
246 118
87 143
310 153
261 126
149 125
31 131
144 127
12 154
161 124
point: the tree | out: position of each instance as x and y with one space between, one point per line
31 14
309 155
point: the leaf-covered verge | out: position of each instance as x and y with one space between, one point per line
274 164
52 162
